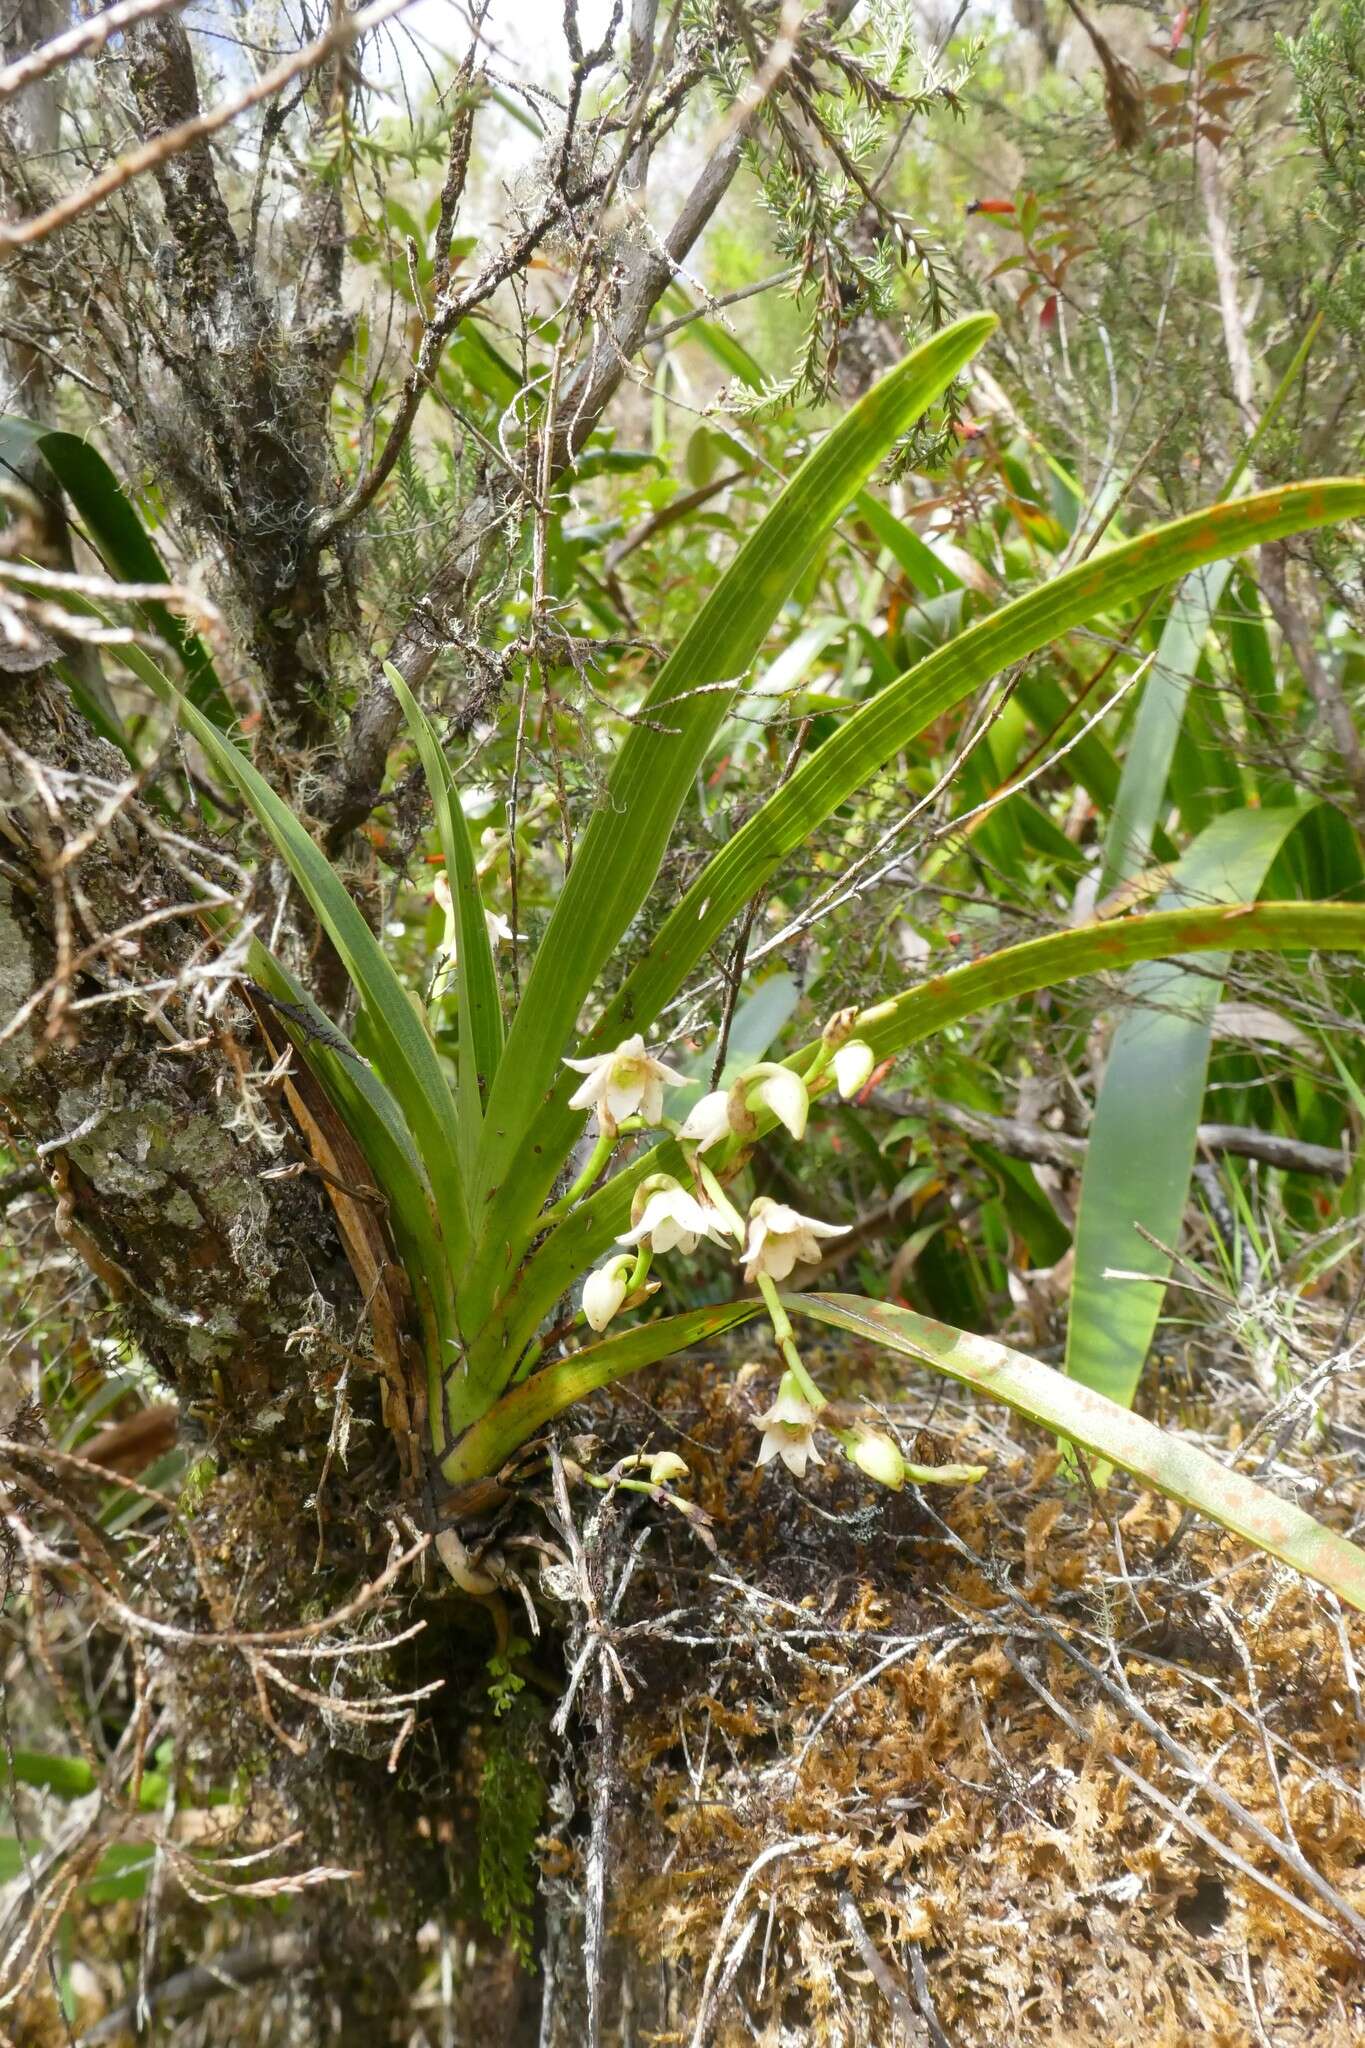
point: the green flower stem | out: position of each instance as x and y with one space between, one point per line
639 1273
640 1270
786 1341
719 1199
812 1075
597 1160
606 1485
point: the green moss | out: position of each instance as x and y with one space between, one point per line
511 1801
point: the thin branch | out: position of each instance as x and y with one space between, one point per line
1042 1147
354 788
175 141
83 41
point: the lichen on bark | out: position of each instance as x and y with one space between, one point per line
165 1150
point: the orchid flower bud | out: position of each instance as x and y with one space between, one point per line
853 1064
779 1090
666 1465
605 1289
839 1028
873 1452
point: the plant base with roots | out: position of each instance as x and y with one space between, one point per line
888 1763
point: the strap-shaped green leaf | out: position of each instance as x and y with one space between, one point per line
945 999
621 852
407 1059
528 1407
1146 1123
875 733
476 975
1176 1468
905 1020
1137 807
120 539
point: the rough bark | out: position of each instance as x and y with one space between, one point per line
156 1140
258 462
29 125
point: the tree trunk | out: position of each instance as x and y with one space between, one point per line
147 1106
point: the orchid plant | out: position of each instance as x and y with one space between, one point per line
494 1228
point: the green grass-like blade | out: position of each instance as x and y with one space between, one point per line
620 854
476 974
1173 1467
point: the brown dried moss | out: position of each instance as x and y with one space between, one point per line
856 1679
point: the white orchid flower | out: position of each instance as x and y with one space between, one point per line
621 1082
789 1429
853 1064
708 1121
781 1238
667 1217
605 1289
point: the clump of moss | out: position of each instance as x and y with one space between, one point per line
511 1803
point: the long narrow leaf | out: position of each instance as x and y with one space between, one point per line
374 1120
510 1421
929 576
477 978
619 858
1146 1123
1137 807
906 1020
128 552
892 719
407 1058
1178 1469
